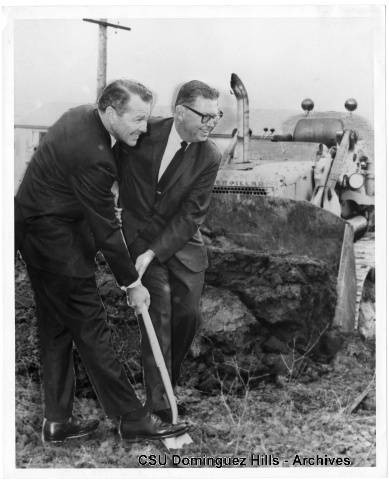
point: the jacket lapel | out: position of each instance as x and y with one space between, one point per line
175 169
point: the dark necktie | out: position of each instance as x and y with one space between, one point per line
178 156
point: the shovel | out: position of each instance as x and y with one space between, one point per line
172 443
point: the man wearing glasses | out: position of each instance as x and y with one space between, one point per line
165 188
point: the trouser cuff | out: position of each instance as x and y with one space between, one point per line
58 418
135 414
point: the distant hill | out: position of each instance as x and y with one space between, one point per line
259 119
283 121
44 115
48 113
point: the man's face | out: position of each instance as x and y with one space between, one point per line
129 125
190 122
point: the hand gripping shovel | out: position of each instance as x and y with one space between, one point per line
179 441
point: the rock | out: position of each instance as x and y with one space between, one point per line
222 311
273 344
369 403
85 464
366 320
217 429
283 364
366 316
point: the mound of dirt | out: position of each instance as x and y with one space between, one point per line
264 316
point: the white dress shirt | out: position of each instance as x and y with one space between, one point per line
115 186
172 146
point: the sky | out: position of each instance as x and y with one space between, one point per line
280 60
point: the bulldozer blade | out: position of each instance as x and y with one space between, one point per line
277 225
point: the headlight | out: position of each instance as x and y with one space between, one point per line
356 181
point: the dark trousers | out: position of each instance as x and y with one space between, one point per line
175 293
70 310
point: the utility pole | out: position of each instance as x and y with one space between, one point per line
102 55
102 60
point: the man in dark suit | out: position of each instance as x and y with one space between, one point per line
165 186
64 213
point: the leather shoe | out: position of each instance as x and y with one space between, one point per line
166 414
149 427
73 428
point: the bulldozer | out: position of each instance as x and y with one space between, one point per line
307 192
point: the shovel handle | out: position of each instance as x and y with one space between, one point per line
160 362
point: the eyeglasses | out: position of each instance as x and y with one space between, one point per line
206 117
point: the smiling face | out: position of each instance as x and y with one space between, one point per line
189 124
131 123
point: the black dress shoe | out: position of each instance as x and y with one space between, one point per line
73 428
166 414
149 427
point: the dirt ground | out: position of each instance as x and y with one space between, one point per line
322 416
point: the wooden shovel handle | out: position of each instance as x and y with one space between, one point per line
160 362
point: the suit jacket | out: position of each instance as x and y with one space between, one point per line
64 205
167 214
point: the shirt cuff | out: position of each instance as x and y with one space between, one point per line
133 284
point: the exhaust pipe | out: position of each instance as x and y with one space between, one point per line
243 117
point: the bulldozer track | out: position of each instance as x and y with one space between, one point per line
364 250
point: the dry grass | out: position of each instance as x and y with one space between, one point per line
292 418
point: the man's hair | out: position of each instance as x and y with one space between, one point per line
191 90
118 93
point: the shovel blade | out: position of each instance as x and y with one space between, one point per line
175 443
